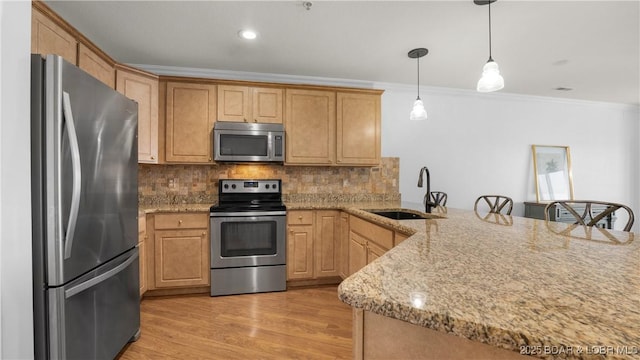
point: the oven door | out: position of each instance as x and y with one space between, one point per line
248 239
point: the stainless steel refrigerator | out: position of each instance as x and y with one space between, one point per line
84 209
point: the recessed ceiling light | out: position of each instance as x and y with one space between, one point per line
562 88
247 34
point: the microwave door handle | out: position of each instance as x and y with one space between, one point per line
76 171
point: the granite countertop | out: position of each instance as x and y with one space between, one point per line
511 282
500 280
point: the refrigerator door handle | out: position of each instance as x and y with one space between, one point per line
98 279
77 174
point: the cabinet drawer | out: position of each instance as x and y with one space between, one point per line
181 221
380 235
299 217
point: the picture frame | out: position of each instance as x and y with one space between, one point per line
552 171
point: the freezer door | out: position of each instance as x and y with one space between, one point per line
95 316
91 172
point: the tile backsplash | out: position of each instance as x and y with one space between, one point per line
193 184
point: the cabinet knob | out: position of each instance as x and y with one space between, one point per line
255 120
300 217
179 222
153 157
209 159
204 233
245 120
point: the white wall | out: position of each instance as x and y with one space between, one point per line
476 144
16 322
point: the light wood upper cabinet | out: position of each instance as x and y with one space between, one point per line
233 103
310 126
47 37
249 104
266 105
94 64
143 88
358 129
190 115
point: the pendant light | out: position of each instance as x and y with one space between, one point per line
418 112
491 79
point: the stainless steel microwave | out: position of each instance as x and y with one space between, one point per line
248 142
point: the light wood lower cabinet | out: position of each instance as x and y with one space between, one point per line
344 245
313 244
367 242
180 250
142 252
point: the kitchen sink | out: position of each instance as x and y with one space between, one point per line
399 215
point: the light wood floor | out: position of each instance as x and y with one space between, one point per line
309 323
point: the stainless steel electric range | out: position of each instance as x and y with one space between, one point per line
248 238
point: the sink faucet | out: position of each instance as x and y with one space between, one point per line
427 203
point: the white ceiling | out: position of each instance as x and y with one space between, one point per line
592 47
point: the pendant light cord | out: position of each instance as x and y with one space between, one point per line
418 59
490 58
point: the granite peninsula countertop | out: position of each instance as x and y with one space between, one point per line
511 282
515 283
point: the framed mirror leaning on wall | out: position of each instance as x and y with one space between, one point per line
552 169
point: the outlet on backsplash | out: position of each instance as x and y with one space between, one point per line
172 183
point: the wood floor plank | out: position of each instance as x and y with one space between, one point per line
310 323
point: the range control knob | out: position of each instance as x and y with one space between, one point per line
266 186
226 186
275 186
233 186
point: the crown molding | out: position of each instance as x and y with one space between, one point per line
252 76
442 91
323 81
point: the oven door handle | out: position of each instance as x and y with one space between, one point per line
248 213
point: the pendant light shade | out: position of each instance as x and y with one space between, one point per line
418 112
491 79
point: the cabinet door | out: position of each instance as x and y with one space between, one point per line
398 238
266 105
181 258
144 90
358 129
357 252
344 245
234 103
142 249
49 38
327 244
374 251
310 126
300 252
191 112
95 65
